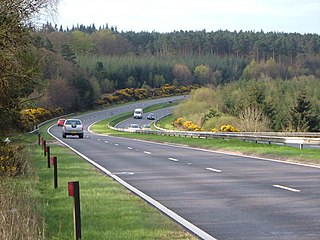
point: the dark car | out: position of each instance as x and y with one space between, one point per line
151 116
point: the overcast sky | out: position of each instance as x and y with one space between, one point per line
302 16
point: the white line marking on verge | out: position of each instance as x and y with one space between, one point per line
214 170
149 153
199 232
287 188
173 159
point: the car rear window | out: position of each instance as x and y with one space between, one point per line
73 122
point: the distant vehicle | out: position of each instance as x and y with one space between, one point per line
138 112
72 127
61 122
146 127
151 116
134 127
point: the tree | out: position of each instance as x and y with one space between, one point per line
182 73
18 63
68 54
252 119
203 74
302 117
252 71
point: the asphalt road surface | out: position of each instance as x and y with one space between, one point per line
227 196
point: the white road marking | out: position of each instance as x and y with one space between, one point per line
214 170
173 159
123 173
98 139
149 153
106 141
130 148
287 188
189 163
116 144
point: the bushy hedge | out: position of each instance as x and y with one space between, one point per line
29 118
131 94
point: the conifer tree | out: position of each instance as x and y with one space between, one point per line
302 117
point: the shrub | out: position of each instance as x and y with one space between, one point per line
186 124
33 116
194 127
228 128
12 160
178 122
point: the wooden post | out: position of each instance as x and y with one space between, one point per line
44 147
73 190
48 154
55 172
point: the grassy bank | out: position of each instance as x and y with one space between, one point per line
306 155
108 210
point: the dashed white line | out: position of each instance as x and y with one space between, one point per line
130 148
106 141
116 144
173 159
149 153
98 139
287 188
214 170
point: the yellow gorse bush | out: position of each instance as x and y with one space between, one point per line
33 116
186 125
12 162
228 128
178 122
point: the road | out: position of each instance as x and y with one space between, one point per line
227 196
144 121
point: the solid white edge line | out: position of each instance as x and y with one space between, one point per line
287 188
150 200
214 170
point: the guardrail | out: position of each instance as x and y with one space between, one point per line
263 137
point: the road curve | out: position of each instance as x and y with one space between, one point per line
227 196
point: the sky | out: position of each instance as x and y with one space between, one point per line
302 16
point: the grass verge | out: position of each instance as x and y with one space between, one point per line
306 155
108 210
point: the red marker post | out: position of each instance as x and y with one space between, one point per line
73 191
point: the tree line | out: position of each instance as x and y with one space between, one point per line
83 63
133 59
256 105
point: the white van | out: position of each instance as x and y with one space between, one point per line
138 112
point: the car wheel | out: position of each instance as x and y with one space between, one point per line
80 135
64 135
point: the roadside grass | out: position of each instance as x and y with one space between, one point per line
306 155
166 123
108 210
